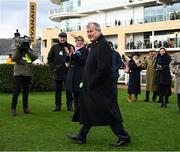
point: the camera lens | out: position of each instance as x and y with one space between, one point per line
25 45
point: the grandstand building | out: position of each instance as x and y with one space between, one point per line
132 25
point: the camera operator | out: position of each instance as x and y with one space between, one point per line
23 58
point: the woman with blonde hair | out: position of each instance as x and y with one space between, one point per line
76 61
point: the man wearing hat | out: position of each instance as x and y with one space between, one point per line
134 84
56 60
149 64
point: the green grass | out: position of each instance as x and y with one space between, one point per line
151 127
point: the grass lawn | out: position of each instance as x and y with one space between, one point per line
151 128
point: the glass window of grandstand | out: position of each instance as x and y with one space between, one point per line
71 25
139 41
167 39
156 39
159 12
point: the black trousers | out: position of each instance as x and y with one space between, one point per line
118 130
178 101
115 87
76 95
21 82
153 97
164 100
58 94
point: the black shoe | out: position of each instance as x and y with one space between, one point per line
57 108
13 112
69 108
77 139
121 142
27 111
146 100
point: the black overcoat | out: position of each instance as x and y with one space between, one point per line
163 75
98 104
76 68
134 85
56 60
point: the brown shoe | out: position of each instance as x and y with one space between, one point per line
135 99
129 99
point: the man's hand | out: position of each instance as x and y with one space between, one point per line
66 50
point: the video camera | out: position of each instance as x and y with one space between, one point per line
20 42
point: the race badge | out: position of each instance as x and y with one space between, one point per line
61 53
81 85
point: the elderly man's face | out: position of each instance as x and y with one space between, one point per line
92 33
151 54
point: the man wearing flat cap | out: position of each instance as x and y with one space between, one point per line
56 60
149 64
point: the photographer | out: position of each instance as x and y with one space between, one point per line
23 58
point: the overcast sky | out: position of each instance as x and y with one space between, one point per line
14 15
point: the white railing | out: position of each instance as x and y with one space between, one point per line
124 77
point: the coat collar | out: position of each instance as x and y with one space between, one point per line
101 37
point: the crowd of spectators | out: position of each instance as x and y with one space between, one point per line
170 43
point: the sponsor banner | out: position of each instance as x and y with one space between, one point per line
32 22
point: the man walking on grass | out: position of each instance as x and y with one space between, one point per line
98 104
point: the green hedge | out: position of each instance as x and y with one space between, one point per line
42 79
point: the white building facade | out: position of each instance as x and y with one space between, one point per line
132 25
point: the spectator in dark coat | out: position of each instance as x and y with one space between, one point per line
56 60
175 67
76 61
134 85
116 65
163 76
98 105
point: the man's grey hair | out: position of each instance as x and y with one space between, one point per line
96 25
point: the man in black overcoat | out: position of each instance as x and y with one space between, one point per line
98 104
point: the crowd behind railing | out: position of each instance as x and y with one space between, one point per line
148 44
